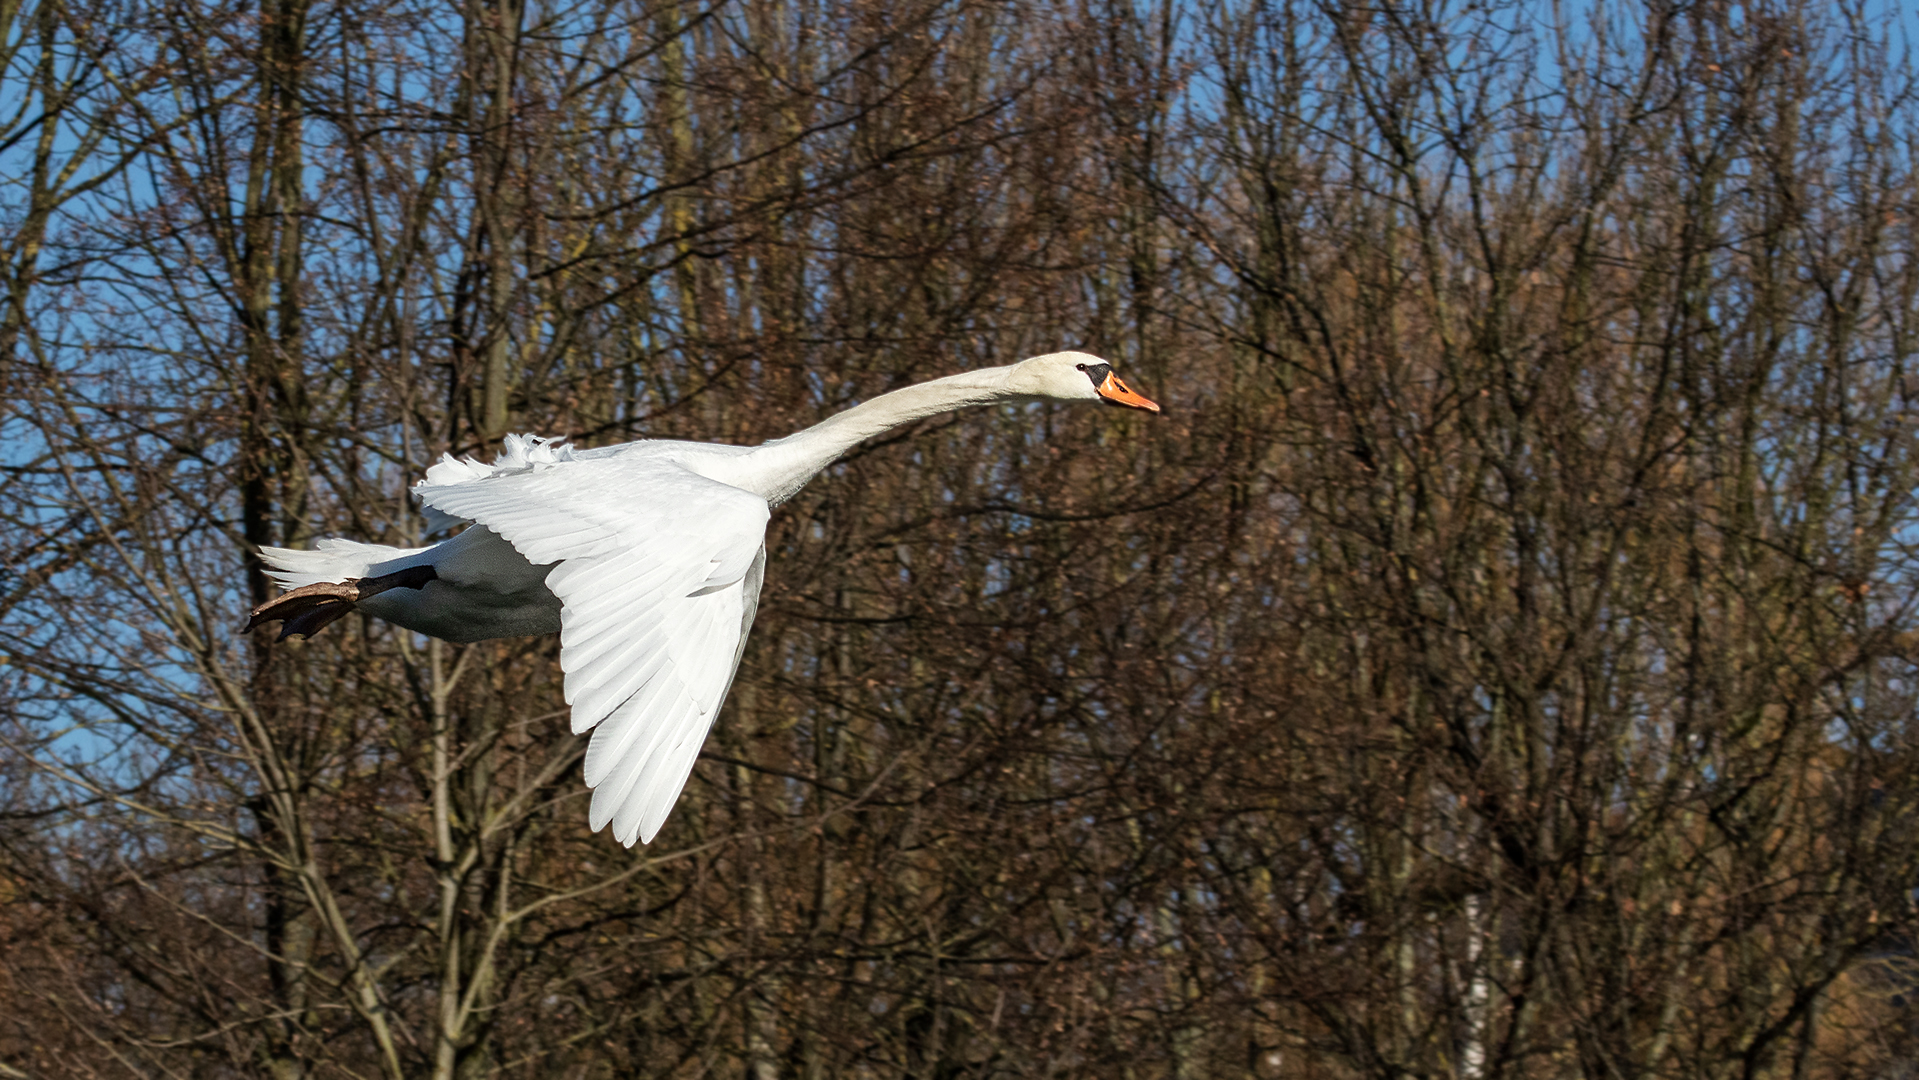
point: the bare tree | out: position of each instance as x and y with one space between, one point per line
1497 662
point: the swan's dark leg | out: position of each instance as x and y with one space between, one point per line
310 608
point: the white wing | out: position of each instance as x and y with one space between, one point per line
655 567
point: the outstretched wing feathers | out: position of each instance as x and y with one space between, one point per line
653 562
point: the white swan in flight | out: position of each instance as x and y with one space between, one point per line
646 557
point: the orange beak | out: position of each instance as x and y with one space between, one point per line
1120 394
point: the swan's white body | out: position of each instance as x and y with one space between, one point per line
646 558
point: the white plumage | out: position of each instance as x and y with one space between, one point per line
646 558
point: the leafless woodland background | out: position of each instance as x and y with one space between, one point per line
1498 661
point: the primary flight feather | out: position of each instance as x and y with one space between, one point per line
645 557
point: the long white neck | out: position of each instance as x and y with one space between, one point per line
780 468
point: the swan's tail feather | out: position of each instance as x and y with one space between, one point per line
331 560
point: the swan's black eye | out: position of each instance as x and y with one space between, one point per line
1081 367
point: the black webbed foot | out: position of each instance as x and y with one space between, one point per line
311 608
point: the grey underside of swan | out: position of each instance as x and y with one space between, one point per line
646 558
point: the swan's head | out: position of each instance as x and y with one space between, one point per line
1073 376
